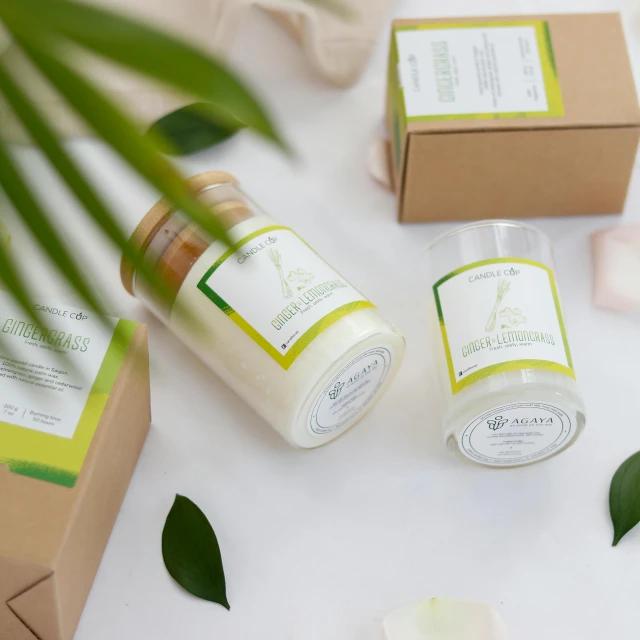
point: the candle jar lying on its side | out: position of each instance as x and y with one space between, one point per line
504 364
280 326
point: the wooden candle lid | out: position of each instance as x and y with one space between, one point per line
157 215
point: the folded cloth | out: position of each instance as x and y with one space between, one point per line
336 47
617 268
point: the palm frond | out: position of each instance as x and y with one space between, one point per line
42 135
43 231
141 48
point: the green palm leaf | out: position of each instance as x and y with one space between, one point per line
46 29
44 137
43 231
120 133
15 284
143 49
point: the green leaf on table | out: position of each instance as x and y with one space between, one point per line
624 498
191 552
192 128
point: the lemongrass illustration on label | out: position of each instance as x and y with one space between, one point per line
300 278
503 289
274 256
511 318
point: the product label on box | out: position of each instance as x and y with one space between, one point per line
279 291
55 378
478 70
501 315
351 391
517 433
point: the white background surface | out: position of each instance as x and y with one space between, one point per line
320 545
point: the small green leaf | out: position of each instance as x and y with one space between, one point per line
624 498
192 128
191 552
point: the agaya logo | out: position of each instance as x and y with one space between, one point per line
365 371
336 391
497 422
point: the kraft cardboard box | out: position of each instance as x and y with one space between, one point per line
510 117
68 448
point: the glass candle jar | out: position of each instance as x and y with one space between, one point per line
496 327
280 326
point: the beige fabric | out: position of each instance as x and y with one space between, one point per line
337 50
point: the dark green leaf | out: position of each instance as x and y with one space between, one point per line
192 128
42 134
38 222
191 552
120 133
144 49
624 498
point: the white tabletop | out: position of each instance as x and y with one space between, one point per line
320 545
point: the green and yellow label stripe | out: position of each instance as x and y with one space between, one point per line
547 64
286 360
54 458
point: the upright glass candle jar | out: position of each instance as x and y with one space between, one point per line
280 326
497 329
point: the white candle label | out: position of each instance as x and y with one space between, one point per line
467 70
500 315
279 291
55 379
516 434
351 391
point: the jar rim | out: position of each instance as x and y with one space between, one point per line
157 215
480 224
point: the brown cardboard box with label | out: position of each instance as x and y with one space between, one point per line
511 116
60 492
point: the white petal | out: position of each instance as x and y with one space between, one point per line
378 163
617 268
445 619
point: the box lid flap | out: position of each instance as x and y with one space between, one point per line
37 607
17 578
593 70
